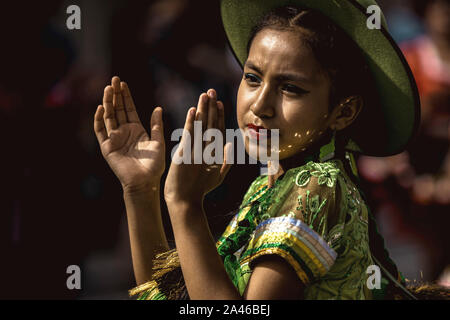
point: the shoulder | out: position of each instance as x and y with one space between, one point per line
305 222
308 193
295 220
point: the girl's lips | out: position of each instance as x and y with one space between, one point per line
255 133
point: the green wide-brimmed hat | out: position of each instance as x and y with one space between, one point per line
395 119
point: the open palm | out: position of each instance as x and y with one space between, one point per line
136 158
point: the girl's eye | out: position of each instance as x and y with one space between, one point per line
293 89
251 78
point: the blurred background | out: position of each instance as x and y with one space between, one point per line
60 203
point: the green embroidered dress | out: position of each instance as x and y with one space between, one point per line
314 217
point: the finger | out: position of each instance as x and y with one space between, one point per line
226 161
156 125
188 132
99 125
130 108
212 109
189 125
109 116
118 104
202 110
221 117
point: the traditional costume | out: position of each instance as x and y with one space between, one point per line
315 216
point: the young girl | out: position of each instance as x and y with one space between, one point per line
332 87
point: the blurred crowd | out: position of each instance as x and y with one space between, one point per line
61 204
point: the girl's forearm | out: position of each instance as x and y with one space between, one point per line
147 236
203 270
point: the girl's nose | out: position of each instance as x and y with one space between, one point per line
263 106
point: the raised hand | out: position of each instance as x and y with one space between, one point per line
135 158
190 182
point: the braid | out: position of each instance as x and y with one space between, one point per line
376 241
378 248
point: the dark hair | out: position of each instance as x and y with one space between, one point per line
343 61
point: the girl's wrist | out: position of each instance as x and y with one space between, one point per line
182 207
142 190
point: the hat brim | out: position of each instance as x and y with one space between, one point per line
398 106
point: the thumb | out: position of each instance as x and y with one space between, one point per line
156 125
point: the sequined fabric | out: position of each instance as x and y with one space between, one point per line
304 249
314 218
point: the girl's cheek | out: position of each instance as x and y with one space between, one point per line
242 109
240 92
241 119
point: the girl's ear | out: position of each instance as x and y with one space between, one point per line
346 112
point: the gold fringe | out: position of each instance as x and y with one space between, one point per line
429 291
151 287
164 263
143 287
166 278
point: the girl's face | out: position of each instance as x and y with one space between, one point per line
285 88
